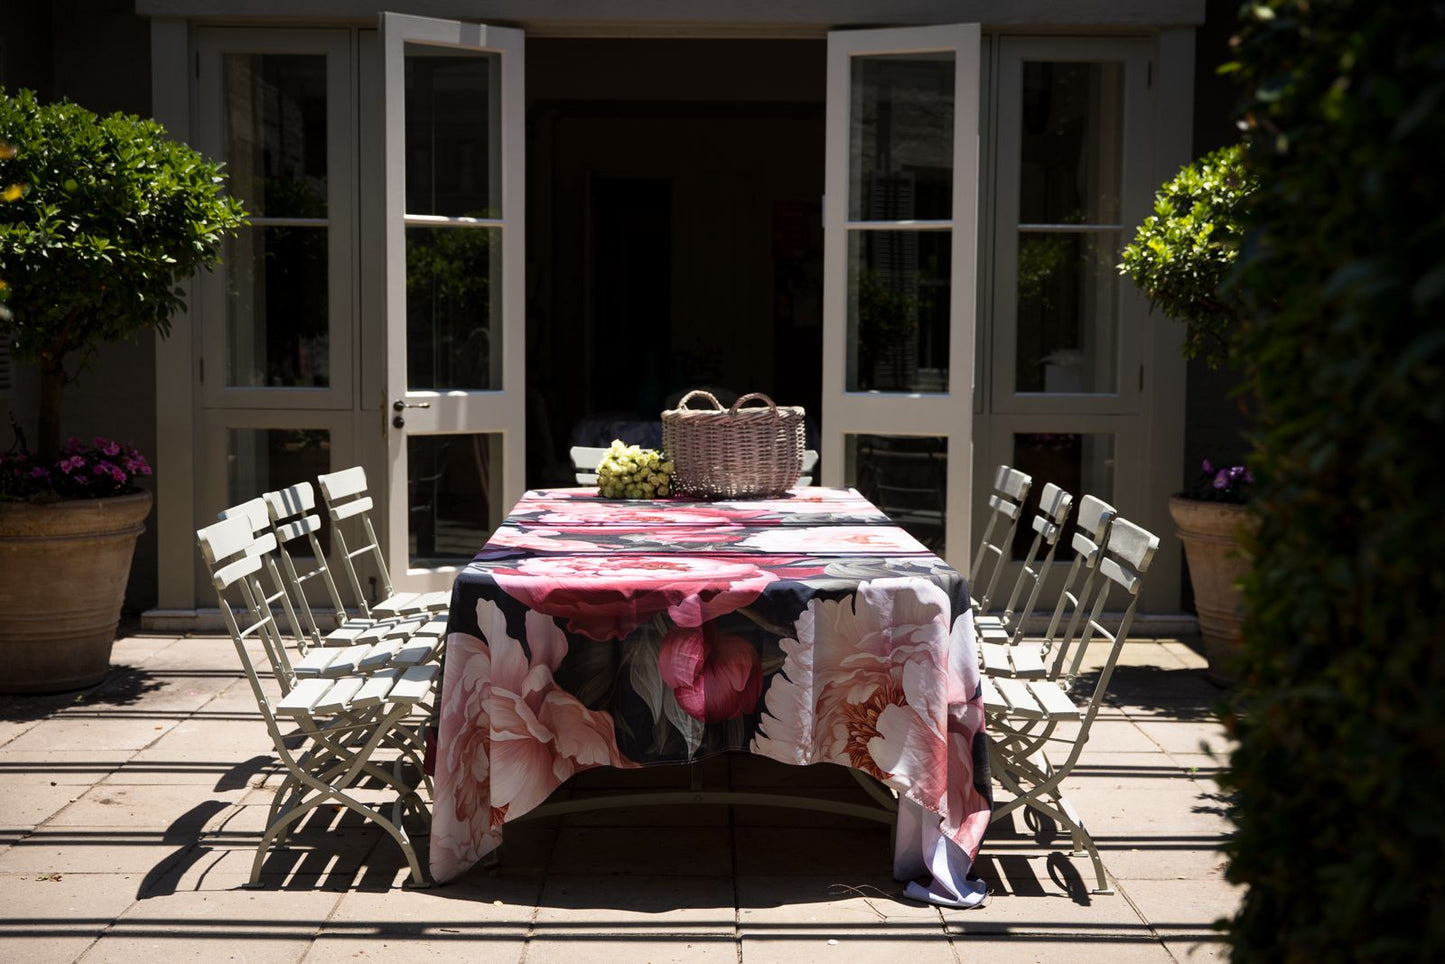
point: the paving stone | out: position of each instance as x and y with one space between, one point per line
689 948
643 852
29 803
1043 949
90 850
69 767
844 947
452 943
145 806
815 850
805 902
1184 909
571 905
205 926
92 733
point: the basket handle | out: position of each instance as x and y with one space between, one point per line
717 405
751 395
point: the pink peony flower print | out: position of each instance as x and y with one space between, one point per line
715 676
571 512
509 736
609 597
831 540
883 684
537 540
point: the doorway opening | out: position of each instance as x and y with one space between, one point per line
674 233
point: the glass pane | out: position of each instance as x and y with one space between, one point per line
262 459
276 133
276 308
900 138
453 133
1080 464
904 475
453 291
1073 143
450 483
1068 293
898 293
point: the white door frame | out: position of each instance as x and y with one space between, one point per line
498 411
948 414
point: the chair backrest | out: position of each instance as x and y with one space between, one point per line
1005 504
229 548
1091 526
1128 552
585 460
346 498
292 512
263 547
1048 524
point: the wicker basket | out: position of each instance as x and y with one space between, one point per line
736 452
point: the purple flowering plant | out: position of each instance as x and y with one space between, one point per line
83 470
1226 483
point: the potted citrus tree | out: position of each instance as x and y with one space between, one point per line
1180 259
103 217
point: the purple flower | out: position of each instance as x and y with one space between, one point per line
107 446
1207 468
39 473
1221 481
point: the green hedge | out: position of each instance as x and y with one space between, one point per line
1341 722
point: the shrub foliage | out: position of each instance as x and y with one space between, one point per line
111 215
1341 722
1183 253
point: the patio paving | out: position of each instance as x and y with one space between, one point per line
132 811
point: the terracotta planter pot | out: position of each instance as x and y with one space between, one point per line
63 570
1210 532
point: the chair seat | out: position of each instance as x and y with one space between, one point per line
1024 659
1031 700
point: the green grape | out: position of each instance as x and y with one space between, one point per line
633 472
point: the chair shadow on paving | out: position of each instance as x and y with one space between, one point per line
1176 693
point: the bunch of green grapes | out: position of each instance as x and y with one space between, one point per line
630 472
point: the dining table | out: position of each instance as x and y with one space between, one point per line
805 628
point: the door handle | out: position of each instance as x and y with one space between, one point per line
402 406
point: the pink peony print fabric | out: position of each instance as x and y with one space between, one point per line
808 629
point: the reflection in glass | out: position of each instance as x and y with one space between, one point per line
276 308
262 459
1080 464
453 139
449 486
452 296
900 138
1073 142
1068 292
904 475
898 294
276 133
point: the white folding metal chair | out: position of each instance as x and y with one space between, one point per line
346 498
1013 654
1048 524
295 524
1005 504
1024 716
350 648
341 722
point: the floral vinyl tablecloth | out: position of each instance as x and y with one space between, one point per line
807 628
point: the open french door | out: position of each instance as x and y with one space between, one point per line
900 221
452 117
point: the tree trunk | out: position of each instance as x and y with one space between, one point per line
52 385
